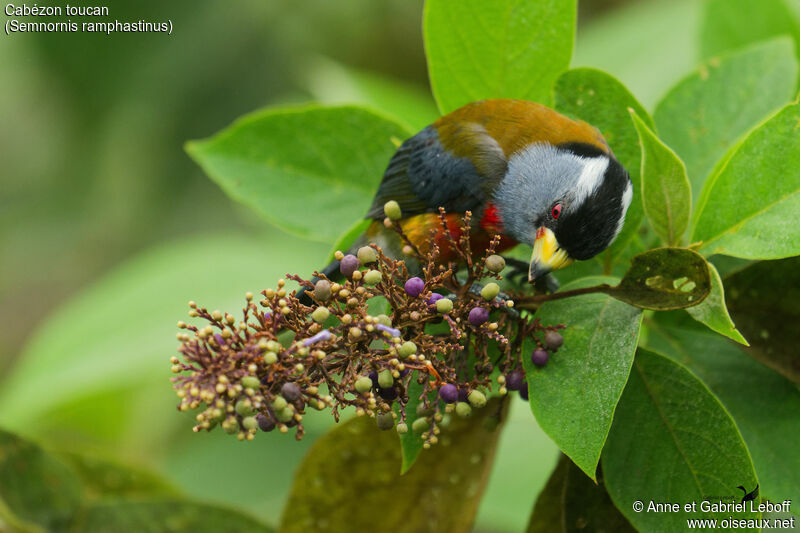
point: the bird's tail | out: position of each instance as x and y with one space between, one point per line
331 271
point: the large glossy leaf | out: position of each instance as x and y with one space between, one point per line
713 312
36 487
602 101
571 502
673 441
351 481
107 479
729 24
764 300
763 404
664 279
702 116
164 516
480 49
574 396
665 190
749 206
311 170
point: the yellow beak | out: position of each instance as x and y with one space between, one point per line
547 256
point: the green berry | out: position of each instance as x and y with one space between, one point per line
385 320
270 358
422 410
463 409
407 348
320 314
322 290
420 425
477 399
279 403
274 346
363 384
250 422
392 210
366 255
385 421
373 277
490 290
402 428
244 407
285 414
444 305
231 428
495 263
250 382
385 379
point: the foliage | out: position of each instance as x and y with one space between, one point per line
654 405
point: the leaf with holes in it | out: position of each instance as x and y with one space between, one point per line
664 279
601 100
673 441
571 502
713 312
350 480
480 49
666 192
574 396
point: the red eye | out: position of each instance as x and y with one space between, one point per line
556 210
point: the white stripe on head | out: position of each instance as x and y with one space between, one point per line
627 196
594 169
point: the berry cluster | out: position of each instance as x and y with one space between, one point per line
441 334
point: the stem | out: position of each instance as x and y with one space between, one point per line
532 302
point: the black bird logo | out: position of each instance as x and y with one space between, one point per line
748 496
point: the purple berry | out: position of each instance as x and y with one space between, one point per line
515 380
404 373
523 392
414 286
291 391
448 393
387 394
540 357
435 297
463 394
265 423
374 377
348 265
478 315
553 340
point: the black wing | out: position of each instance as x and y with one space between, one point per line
423 176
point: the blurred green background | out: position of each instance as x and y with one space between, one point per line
107 228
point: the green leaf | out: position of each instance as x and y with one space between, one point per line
764 300
105 479
729 24
35 486
702 117
748 207
763 403
410 442
666 193
571 502
165 516
311 171
350 481
574 396
712 311
601 100
673 441
664 279
480 49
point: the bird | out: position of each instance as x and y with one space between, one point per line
526 173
